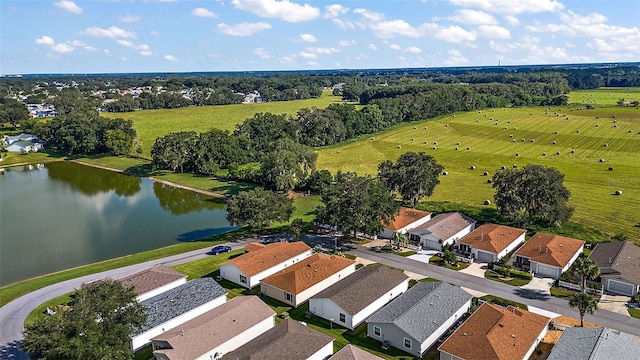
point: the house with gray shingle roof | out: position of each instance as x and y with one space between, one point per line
619 264
595 344
414 321
289 340
350 301
177 306
154 281
443 229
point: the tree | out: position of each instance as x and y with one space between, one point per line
98 325
414 175
289 165
585 303
13 112
587 269
356 204
533 193
296 228
175 151
118 142
258 208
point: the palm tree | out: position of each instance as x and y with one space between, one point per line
585 304
587 268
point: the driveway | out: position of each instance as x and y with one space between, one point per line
614 303
475 269
537 288
423 255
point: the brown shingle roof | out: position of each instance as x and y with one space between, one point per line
351 352
444 226
289 340
550 249
306 273
493 332
252 246
363 287
151 278
271 255
492 237
621 259
213 328
406 217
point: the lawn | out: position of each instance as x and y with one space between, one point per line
39 311
205 267
487 145
503 302
511 281
634 312
436 260
604 96
561 293
151 124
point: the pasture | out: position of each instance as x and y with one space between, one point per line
151 124
574 141
604 96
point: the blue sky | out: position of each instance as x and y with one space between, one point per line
101 36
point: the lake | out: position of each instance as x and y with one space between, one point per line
61 215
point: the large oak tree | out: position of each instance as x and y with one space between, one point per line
258 208
414 175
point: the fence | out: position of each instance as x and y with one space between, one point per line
577 287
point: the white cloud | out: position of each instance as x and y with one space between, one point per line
413 50
284 9
68 6
512 20
344 24
493 32
170 58
124 58
455 58
372 47
62 48
153 32
262 52
130 18
307 55
202 12
511 7
143 49
45 40
347 42
308 38
334 10
78 44
395 46
112 32
473 17
369 15
323 50
243 29
453 34
389 29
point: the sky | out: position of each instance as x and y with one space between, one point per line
118 36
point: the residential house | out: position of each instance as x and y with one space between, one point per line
177 306
414 321
351 352
406 220
577 343
443 229
547 255
289 340
496 333
23 143
249 269
154 281
254 246
216 332
490 242
297 283
352 300
619 264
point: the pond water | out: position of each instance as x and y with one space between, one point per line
60 215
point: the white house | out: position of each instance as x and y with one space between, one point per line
406 220
23 143
415 320
216 332
249 269
494 332
177 306
352 300
287 340
547 255
443 229
297 283
154 281
490 242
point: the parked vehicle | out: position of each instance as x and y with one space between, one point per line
219 250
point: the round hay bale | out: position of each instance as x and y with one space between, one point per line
597 125
399 147
555 132
487 202
454 116
573 151
544 154
485 115
508 121
605 145
468 147
533 140
372 138
530 113
486 173
489 181
435 148
411 139
426 142
517 154
618 192
477 120
577 131
491 119
435 143
503 167
457 149
615 126
610 168
553 142
515 166
630 131
597 117
479 112
614 116
472 167
515 128
446 125
337 151
601 160
425 128
523 140
510 135
514 140
444 173
414 128
557 152
457 142
505 128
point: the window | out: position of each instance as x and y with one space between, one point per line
342 317
377 331
243 279
288 296
407 343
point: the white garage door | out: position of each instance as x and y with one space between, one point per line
547 271
484 256
433 245
619 287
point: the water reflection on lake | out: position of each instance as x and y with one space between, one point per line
60 215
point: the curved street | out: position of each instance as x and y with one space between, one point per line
13 314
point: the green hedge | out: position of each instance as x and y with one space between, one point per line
513 273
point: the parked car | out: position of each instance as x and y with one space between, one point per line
377 249
219 250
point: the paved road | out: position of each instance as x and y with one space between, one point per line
13 314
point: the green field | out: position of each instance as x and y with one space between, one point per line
151 124
604 96
486 143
